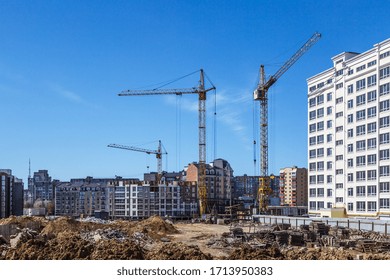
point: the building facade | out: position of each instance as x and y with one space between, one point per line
11 194
41 186
349 134
293 186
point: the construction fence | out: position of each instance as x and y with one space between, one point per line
380 226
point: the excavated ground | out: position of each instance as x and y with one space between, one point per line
158 239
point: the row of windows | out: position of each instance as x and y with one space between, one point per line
384 203
370 190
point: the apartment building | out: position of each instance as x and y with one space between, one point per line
349 134
41 186
219 183
293 186
11 194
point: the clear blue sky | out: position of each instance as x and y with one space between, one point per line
62 64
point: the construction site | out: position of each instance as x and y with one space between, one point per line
32 238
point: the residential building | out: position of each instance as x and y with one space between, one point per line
219 183
293 186
42 186
349 134
11 194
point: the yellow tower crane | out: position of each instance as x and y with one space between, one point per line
261 94
157 152
201 91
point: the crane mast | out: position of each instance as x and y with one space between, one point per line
157 152
202 92
261 94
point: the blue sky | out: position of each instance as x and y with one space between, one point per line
62 64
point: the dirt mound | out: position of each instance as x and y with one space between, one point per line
114 250
178 251
155 227
25 222
248 253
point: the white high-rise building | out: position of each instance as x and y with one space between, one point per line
349 135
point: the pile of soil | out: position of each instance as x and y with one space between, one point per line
178 251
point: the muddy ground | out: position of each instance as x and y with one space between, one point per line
157 239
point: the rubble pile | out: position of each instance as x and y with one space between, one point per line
178 251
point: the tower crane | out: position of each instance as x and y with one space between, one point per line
201 91
157 152
261 94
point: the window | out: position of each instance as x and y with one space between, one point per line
329 152
371 206
339 72
339 128
320 99
329 192
328 124
312 141
312 192
384 72
360 175
371 159
329 138
350 191
371 96
339 171
350 89
371 81
385 54
329 110
371 112
360 130
312 102
384 171
312 128
384 154
371 190
384 203
339 114
339 157
361 84
384 138
339 186
360 99
350 118
350 72
329 178
339 85
320 192
312 88
339 142
384 187
371 127
361 145
384 89
371 143
371 175
329 97
350 103
320 126
339 199
329 165
320 85
320 112
312 166
320 152
339 100
371 63
320 165
384 122
361 161
312 205
360 115
312 115
360 191
312 179
350 133
361 206
384 105
320 139
350 177
312 153
350 148
350 162
350 206
360 68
